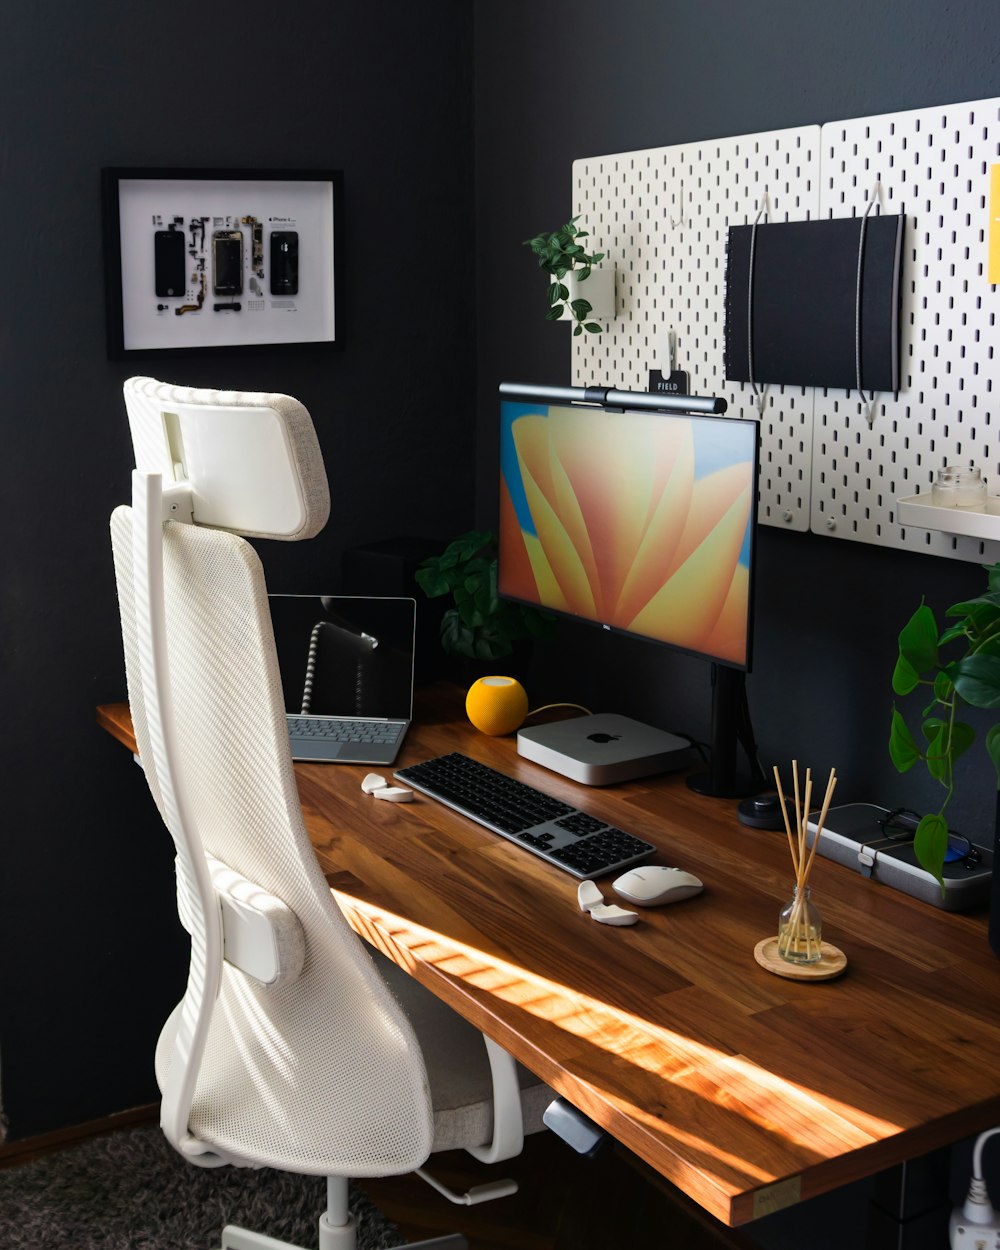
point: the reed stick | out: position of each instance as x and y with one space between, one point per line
831 785
788 828
804 825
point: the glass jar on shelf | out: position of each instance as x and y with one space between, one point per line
958 486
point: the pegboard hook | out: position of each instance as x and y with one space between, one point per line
676 225
671 351
867 401
763 210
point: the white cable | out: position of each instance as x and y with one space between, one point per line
969 1221
977 1154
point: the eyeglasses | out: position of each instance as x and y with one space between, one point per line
901 826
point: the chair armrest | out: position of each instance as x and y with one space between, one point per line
508 1121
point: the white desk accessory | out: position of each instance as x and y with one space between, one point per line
591 899
375 785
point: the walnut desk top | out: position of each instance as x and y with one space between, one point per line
748 1091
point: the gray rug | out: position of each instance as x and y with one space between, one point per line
131 1191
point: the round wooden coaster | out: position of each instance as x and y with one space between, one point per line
831 965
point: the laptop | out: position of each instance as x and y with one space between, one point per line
346 667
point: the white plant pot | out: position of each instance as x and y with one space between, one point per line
598 290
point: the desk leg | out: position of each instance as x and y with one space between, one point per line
910 1205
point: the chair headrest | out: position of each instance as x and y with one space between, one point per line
252 460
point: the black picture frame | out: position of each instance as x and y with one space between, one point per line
256 267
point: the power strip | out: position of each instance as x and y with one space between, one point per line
965 1236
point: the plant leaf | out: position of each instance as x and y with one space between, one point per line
937 757
990 601
580 308
904 676
578 330
943 686
554 313
456 638
931 726
918 639
930 842
977 679
951 633
902 749
993 575
432 582
962 737
593 327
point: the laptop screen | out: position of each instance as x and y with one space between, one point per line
347 656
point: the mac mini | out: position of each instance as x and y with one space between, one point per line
602 749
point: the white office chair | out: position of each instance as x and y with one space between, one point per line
294 1047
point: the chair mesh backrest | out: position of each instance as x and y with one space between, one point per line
323 1074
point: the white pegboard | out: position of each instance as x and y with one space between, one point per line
933 166
662 216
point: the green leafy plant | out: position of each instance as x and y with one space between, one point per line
959 667
481 625
558 254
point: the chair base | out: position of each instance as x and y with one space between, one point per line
331 1237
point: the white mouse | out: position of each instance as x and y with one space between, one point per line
650 885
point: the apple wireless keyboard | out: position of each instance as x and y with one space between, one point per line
575 841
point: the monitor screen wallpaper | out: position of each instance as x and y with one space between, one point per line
636 521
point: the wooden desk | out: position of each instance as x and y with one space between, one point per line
748 1091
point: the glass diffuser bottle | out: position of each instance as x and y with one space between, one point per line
800 929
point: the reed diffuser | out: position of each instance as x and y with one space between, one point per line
800 928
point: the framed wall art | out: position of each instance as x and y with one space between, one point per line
221 261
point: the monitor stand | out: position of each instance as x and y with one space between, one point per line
603 749
731 729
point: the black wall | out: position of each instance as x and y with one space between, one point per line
559 82
92 957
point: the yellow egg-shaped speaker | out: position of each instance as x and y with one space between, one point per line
496 705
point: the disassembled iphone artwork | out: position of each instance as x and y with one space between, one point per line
219 264
203 261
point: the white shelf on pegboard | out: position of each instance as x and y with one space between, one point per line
980 522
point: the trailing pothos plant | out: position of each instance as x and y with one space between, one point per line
480 625
560 253
957 667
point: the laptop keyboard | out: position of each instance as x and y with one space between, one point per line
567 837
376 732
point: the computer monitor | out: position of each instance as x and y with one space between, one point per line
641 521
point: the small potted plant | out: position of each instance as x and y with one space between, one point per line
955 668
569 266
480 625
